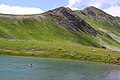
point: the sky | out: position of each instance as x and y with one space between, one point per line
39 6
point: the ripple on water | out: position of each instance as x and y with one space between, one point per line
18 68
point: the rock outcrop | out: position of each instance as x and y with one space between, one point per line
98 14
67 18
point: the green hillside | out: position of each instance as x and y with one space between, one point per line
102 22
58 33
43 30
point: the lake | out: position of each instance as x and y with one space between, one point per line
18 68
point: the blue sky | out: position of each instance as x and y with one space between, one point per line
42 4
38 6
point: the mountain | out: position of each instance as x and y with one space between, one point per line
106 25
66 18
98 14
60 24
61 30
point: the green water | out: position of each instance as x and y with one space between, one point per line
18 68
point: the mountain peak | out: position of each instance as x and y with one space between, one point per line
91 7
61 9
93 10
97 14
67 18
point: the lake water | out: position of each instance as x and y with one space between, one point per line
18 68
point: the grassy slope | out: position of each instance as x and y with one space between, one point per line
44 30
58 50
96 24
106 26
99 23
16 36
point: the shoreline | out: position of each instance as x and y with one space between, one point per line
96 58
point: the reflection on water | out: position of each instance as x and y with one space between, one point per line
18 68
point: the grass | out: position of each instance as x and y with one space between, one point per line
44 38
96 24
95 10
66 50
110 41
43 30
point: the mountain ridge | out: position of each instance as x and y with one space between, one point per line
61 33
81 26
67 18
96 13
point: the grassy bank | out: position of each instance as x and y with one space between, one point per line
44 38
65 50
86 57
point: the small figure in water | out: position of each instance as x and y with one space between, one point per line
30 65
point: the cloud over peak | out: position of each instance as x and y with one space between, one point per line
113 10
73 4
7 9
110 6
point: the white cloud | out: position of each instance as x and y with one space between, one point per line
73 4
109 6
96 4
101 3
7 9
74 8
114 10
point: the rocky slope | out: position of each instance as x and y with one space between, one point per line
67 18
63 24
98 14
107 26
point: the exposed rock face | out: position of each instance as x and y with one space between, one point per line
111 35
98 14
19 17
67 18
